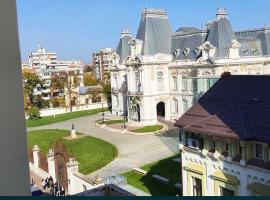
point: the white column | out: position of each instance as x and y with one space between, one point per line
72 167
36 151
14 166
51 164
184 178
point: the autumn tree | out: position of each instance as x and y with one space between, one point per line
68 83
89 79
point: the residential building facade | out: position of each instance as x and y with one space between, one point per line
45 65
161 73
102 61
224 140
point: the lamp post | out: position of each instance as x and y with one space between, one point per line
103 115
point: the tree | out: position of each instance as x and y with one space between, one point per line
106 90
67 82
95 93
89 79
30 82
33 113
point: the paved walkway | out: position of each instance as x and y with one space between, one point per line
134 151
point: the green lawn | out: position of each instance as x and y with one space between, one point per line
92 153
166 168
62 117
148 129
115 121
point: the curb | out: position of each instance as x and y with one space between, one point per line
165 128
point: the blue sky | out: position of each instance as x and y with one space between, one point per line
75 28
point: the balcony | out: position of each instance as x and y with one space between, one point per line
135 93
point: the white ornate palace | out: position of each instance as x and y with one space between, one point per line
161 73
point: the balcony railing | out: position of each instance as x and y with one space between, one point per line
135 93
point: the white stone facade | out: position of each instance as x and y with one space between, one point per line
145 86
244 174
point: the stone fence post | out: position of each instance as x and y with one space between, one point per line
36 151
72 167
51 163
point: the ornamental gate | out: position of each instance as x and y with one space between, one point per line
61 159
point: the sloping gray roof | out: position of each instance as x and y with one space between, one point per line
187 45
123 49
155 32
187 30
221 35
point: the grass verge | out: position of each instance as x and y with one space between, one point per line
62 117
148 129
90 152
166 168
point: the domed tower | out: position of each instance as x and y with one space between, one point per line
155 32
123 49
221 33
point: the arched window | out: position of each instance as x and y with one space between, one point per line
184 84
160 81
174 87
175 106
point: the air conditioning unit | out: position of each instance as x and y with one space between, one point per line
193 143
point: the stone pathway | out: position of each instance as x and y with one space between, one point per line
134 151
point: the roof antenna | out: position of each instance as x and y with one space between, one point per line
146 4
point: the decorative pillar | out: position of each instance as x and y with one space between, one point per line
36 151
51 164
230 151
266 152
72 167
244 153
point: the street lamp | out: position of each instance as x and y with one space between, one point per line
103 115
125 120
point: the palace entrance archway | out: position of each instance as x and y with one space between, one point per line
161 109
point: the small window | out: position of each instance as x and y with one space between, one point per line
174 83
197 186
240 150
259 151
227 147
160 81
226 192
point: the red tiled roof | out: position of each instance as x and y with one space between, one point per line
235 107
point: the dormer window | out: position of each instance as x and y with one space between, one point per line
196 51
177 52
186 51
245 52
254 51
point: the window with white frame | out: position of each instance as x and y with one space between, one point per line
174 87
184 84
259 151
175 105
197 186
160 81
185 105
